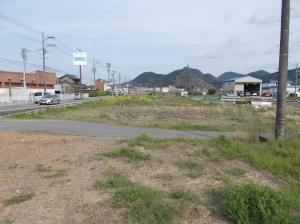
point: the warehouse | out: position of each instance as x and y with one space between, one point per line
244 84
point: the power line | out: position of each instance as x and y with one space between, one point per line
19 24
16 62
99 17
9 31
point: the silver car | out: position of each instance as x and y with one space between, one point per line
50 99
38 96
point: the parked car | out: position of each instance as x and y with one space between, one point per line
266 94
38 96
254 94
50 99
247 94
77 96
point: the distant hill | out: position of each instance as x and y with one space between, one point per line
228 75
183 78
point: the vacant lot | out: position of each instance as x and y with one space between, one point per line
173 113
65 179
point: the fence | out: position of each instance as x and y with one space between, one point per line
28 99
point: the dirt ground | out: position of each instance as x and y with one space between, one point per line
60 170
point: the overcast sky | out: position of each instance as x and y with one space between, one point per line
152 35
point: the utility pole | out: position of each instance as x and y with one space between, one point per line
44 52
94 73
296 83
25 58
283 70
119 86
108 66
113 80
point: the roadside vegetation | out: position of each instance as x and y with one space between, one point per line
170 112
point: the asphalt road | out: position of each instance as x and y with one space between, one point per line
10 109
100 130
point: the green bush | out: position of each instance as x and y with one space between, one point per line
212 91
255 204
97 93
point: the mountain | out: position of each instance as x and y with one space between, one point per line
228 75
183 78
266 76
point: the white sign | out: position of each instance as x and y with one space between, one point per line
79 58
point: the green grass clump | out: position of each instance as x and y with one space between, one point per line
131 154
194 168
180 194
144 204
115 181
18 199
252 204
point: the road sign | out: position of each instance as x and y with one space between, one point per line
79 58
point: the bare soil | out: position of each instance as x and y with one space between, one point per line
60 171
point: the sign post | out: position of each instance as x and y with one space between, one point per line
80 59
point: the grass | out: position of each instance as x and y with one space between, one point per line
254 204
131 154
18 199
144 204
166 177
280 158
194 168
183 195
168 113
115 181
237 172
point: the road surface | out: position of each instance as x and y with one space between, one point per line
100 130
11 109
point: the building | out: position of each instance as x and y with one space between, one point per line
11 83
100 84
272 86
243 85
69 84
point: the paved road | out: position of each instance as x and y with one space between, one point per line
10 109
100 130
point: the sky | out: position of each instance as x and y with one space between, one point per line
137 36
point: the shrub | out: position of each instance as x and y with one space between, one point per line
212 91
253 204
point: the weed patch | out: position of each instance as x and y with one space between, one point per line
18 199
254 204
145 204
131 154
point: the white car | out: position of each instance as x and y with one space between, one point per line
38 96
50 99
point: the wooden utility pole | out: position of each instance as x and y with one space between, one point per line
283 70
